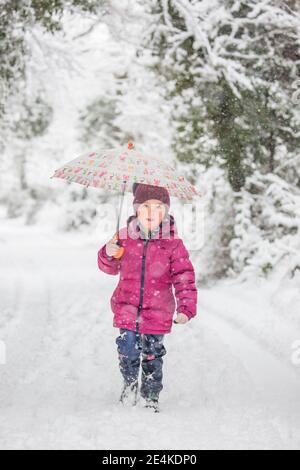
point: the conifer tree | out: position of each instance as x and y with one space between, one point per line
228 68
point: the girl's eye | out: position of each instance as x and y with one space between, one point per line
158 206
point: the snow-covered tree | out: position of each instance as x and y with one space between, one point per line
214 259
228 69
267 225
17 18
39 55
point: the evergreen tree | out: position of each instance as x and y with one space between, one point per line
228 68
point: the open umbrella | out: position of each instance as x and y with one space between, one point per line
119 168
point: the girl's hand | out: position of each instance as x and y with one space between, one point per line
181 318
111 247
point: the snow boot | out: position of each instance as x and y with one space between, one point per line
129 394
151 401
153 404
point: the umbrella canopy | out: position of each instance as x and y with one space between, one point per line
117 169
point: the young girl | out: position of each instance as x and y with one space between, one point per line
154 260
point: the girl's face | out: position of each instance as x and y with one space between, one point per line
151 213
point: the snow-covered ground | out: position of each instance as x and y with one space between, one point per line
229 378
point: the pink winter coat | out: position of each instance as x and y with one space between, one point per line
143 298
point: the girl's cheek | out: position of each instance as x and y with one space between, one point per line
160 216
142 217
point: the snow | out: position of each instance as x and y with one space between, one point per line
232 374
229 378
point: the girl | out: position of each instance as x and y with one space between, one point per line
154 260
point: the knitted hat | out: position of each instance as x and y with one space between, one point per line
143 192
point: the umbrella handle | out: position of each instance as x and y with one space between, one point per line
121 251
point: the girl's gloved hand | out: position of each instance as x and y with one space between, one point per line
181 318
111 247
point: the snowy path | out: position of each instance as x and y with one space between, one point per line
223 388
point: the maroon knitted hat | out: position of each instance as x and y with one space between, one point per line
143 192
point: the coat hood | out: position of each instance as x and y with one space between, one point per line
167 229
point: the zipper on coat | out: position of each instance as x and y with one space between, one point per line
142 283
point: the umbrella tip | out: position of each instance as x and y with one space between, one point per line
130 145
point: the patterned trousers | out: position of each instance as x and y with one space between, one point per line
132 346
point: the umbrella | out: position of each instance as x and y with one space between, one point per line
119 168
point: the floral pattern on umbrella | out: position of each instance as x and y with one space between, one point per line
117 170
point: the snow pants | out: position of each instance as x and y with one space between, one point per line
132 346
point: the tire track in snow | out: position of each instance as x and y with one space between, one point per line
249 333
255 315
23 344
277 384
